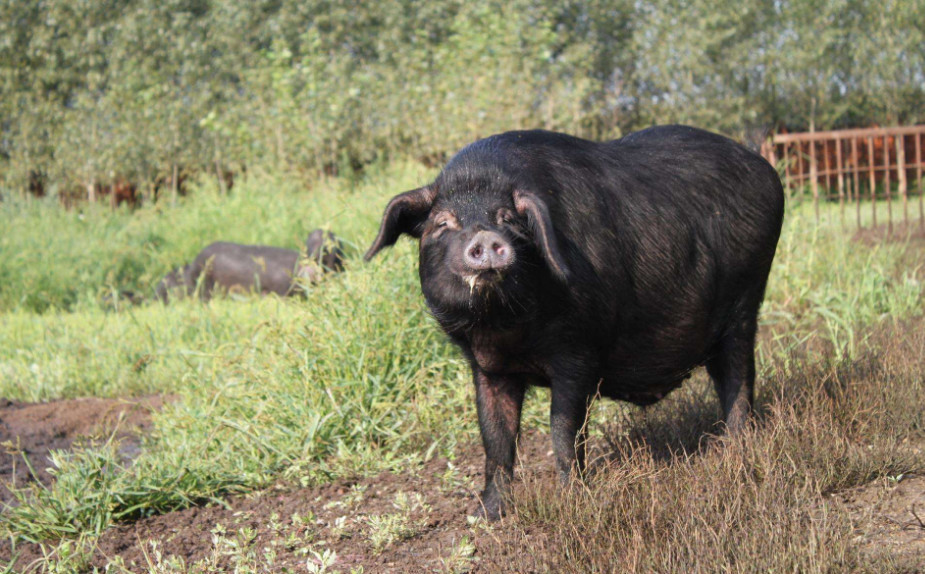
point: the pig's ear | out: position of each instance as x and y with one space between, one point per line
534 208
405 213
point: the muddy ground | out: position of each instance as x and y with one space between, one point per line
37 429
415 521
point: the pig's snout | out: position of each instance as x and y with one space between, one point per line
488 251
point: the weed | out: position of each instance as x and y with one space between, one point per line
386 529
461 557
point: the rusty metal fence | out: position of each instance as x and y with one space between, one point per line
854 166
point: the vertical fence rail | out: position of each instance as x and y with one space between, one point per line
918 169
901 176
841 180
886 185
838 165
857 179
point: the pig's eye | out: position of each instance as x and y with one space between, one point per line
445 221
505 216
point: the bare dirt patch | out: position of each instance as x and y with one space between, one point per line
891 515
414 521
913 232
419 521
35 429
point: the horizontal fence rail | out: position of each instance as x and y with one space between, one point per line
852 166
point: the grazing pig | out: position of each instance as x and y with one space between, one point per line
233 267
588 267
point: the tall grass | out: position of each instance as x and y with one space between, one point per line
52 259
661 499
351 379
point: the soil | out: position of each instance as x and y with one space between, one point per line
426 511
346 516
37 429
893 511
913 232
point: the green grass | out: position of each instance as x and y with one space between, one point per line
52 259
822 281
354 379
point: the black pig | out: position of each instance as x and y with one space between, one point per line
260 268
588 267
233 267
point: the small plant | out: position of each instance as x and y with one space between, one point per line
274 524
386 529
355 496
452 479
320 562
461 557
68 556
352 498
339 528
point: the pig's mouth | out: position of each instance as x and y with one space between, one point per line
482 280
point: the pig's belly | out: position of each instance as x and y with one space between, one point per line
644 382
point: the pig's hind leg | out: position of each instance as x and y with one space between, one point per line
732 368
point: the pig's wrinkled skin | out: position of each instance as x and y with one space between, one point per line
616 267
233 267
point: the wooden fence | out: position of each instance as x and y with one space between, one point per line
851 166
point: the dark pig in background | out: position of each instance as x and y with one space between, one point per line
586 267
233 267
236 268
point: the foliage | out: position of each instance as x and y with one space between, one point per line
94 92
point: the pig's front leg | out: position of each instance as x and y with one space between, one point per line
499 399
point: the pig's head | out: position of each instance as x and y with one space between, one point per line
325 249
485 247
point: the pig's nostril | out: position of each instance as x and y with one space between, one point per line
488 251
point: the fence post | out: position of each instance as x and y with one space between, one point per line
857 178
918 174
871 164
814 174
901 175
841 180
787 174
887 185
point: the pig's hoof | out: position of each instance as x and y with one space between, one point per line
490 507
491 515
